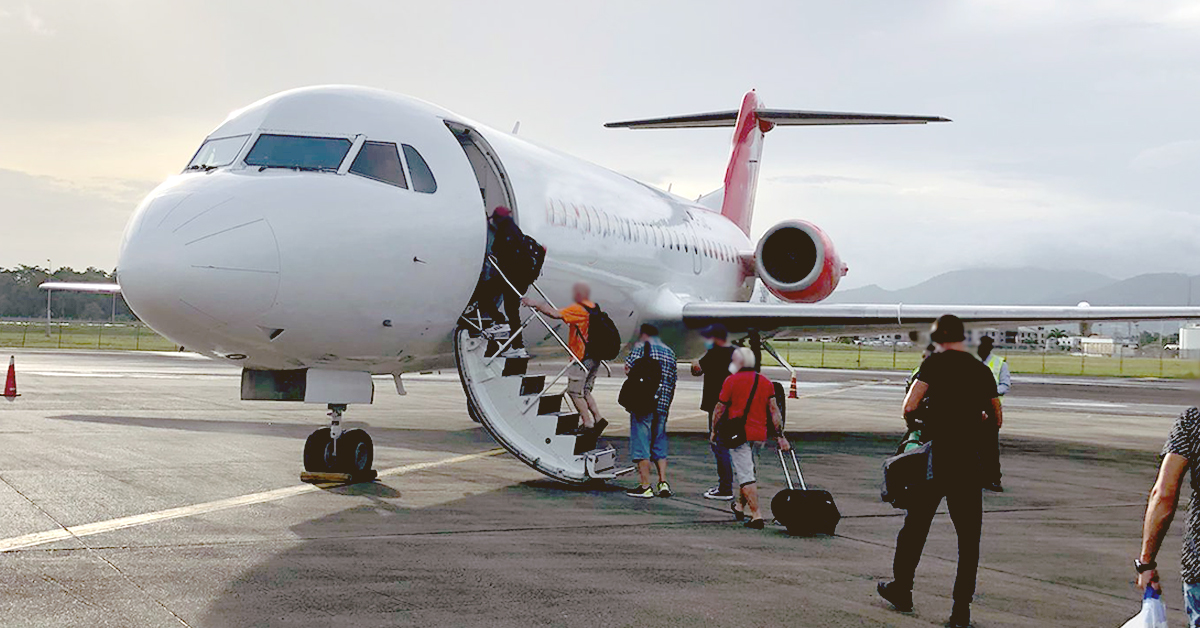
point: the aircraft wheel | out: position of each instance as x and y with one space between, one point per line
356 452
315 451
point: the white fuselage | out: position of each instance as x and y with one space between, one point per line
277 268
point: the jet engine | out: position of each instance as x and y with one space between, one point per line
796 261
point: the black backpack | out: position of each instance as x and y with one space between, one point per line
641 385
603 341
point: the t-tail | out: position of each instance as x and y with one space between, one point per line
751 123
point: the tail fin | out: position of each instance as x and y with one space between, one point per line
750 123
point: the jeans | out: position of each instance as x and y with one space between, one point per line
1191 603
966 512
648 436
724 466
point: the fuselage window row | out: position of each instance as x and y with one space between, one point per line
597 222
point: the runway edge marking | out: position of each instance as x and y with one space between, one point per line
88 529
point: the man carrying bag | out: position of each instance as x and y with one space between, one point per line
961 396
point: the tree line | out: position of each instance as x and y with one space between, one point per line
20 297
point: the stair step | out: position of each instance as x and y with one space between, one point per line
515 366
550 404
567 422
532 384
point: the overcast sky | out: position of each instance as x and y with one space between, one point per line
1074 142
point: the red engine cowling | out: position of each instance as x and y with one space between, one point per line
796 261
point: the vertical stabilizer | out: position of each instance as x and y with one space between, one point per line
741 176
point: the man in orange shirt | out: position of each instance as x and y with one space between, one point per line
580 379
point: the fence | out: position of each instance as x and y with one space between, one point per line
1147 361
133 336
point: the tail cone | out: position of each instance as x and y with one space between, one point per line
10 384
792 393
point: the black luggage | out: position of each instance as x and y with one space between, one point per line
804 511
908 474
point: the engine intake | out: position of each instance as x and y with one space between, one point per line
796 261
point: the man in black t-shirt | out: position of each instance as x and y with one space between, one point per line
961 395
714 366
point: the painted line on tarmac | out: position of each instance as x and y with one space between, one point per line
100 527
1088 404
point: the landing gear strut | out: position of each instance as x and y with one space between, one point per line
330 449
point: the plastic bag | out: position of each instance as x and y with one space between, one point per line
1154 612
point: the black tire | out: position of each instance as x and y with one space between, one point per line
314 451
355 452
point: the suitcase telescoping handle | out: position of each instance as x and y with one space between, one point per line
795 463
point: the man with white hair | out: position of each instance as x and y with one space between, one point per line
747 400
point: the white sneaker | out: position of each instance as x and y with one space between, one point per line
499 331
714 493
516 353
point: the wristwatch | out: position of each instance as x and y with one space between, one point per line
1144 567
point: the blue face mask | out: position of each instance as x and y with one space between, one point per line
708 344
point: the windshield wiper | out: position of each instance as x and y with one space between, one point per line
204 167
300 168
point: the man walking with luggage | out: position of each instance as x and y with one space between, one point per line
648 431
746 403
514 264
714 366
1179 456
580 379
962 397
999 368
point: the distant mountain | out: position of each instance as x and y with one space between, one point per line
1149 289
981 286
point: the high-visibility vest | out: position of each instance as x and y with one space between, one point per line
995 363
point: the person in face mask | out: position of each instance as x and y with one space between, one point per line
714 366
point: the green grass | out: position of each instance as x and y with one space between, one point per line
844 356
77 335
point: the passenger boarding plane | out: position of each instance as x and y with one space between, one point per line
326 234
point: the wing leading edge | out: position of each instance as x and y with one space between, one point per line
811 318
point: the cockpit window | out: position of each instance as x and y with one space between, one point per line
217 153
300 153
379 161
422 176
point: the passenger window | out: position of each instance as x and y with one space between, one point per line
299 153
422 176
380 161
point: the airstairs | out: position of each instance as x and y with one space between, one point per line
528 413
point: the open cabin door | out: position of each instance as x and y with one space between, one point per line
494 187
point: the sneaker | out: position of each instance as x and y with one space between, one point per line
715 493
960 617
900 600
641 492
499 331
664 490
519 353
756 524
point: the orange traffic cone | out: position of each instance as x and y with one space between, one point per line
10 385
792 393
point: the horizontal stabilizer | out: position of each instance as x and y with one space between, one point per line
782 117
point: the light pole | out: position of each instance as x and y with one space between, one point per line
50 277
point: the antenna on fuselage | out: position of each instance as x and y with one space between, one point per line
516 127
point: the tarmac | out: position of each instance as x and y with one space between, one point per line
136 489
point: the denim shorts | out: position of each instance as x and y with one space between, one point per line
1191 603
648 437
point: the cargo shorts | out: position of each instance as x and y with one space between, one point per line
580 381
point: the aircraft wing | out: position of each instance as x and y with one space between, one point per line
837 318
66 286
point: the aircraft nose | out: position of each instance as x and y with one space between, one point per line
197 258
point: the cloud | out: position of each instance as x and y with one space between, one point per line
1168 156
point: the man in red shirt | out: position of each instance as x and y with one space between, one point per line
750 396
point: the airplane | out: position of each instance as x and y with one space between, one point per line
327 234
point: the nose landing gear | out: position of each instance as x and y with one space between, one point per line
332 450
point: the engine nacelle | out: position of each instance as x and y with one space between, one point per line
796 261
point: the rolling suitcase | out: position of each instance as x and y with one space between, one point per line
804 512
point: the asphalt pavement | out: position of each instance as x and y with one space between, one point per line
136 489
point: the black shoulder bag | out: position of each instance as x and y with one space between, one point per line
731 432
